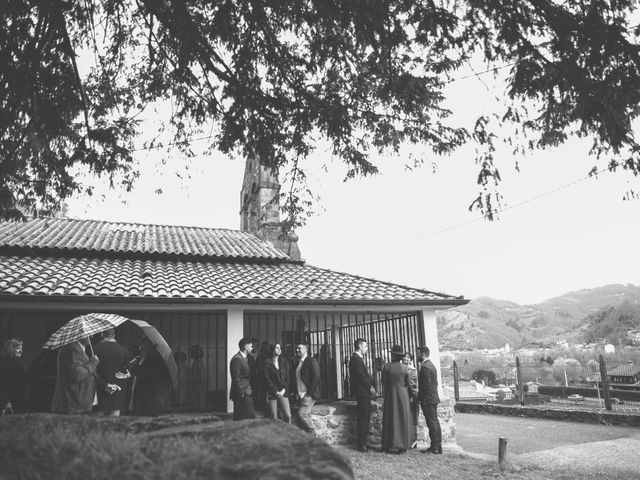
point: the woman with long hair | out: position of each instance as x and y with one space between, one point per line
277 377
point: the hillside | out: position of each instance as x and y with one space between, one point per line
489 323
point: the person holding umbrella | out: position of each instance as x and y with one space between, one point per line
152 382
75 381
76 377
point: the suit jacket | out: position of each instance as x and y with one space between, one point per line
277 378
359 377
75 380
310 376
428 383
113 358
240 377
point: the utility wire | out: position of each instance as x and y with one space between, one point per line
511 207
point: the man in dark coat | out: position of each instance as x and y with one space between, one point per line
361 388
241 393
306 385
114 358
151 393
429 399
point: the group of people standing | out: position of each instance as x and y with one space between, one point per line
268 378
106 379
404 391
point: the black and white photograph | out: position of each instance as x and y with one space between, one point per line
319 239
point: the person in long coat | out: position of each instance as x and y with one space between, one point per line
114 358
277 381
75 379
151 394
413 396
397 423
12 378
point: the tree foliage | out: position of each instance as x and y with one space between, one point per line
273 76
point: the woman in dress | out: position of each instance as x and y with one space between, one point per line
397 423
276 380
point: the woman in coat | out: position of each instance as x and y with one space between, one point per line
413 396
152 382
12 378
277 380
397 423
75 380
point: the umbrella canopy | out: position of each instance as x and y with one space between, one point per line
161 345
83 326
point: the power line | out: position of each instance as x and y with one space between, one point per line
510 207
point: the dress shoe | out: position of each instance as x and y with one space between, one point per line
362 448
437 451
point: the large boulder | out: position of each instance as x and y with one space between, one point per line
264 449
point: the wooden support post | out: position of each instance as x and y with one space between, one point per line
456 379
520 381
605 383
502 452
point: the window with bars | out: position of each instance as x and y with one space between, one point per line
331 335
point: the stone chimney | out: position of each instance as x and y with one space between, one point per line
260 207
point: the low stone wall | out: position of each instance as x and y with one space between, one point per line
534 411
335 422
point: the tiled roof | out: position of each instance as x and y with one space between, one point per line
625 370
204 281
56 235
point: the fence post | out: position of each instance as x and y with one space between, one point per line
520 381
502 452
605 383
456 379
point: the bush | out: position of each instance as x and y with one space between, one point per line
486 376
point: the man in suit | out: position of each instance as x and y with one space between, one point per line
111 388
75 380
361 388
429 399
306 385
241 393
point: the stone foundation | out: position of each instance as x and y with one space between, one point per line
335 422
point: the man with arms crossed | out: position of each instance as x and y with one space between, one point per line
361 388
429 399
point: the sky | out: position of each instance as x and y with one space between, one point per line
558 232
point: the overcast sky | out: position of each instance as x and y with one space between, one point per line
559 232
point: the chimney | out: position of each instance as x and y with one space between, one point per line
260 207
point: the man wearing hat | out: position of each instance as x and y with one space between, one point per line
429 399
361 388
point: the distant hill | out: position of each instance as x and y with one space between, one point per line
576 317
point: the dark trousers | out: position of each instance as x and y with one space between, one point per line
243 408
364 416
430 412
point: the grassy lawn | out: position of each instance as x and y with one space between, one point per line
414 465
43 447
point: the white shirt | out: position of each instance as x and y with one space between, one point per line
302 388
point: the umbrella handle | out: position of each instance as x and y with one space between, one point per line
91 349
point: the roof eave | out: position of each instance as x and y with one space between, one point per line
451 302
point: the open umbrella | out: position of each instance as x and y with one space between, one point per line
161 345
83 326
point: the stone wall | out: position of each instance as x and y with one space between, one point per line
335 423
